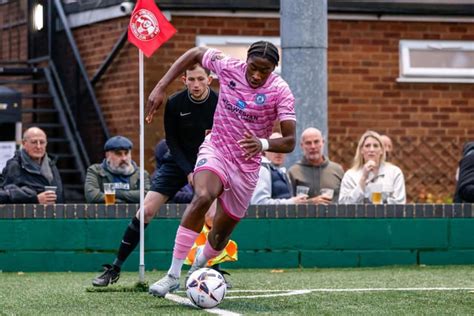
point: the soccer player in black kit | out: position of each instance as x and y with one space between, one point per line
188 115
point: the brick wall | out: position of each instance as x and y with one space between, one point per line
428 122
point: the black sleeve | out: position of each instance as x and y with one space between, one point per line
184 195
21 195
172 138
466 179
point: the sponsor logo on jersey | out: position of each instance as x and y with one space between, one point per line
232 85
241 104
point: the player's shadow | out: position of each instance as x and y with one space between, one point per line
137 287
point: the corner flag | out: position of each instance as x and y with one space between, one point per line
148 28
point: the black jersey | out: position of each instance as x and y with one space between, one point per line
186 121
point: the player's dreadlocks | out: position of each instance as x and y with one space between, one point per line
264 49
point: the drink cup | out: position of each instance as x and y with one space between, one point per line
50 188
109 191
376 195
302 190
328 193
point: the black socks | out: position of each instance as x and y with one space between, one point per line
130 240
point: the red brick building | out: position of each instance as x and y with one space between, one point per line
427 121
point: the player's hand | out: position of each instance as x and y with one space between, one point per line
47 197
250 144
190 179
155 100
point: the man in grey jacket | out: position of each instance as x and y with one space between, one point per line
314 170
118 168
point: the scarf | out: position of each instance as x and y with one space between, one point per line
44 168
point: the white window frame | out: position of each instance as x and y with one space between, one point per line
426 74
211 40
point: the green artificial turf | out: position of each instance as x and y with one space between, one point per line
71 293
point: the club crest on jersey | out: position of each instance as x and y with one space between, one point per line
260 98
144 25
241 104
201 162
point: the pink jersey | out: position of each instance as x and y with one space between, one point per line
242 108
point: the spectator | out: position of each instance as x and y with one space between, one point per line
32 168
314 170
162 154
387 145
119 168
465 185
273 186
370 170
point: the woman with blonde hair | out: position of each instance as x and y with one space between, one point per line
371 173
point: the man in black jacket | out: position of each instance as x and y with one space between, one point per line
188 115
465 186
31 167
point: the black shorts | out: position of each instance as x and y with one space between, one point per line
168 179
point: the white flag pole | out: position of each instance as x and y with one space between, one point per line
141 268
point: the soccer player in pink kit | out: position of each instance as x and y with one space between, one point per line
251 99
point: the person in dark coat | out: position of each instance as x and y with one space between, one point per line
31 167
465 186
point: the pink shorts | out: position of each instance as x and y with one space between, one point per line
238 185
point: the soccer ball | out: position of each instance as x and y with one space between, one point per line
206 288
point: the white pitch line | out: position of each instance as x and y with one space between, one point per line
299 292
185 301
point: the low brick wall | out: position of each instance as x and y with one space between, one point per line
81 237
91 211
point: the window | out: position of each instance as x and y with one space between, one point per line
237 46
436 61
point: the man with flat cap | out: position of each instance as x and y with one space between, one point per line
118 168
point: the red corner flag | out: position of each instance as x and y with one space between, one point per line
148 28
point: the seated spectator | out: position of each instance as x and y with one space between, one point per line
162 154
465 185
119 168
273 186
314 170
370 170
388 146
32 168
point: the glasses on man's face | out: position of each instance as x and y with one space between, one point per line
36 142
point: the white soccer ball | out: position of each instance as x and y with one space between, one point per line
206 288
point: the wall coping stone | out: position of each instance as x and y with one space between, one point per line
101 211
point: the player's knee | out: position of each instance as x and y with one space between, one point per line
150 212
202 199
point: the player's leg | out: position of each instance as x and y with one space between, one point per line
131 237
165 183
207 186
222 227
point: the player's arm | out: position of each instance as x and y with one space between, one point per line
285 144
253 145
155 100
